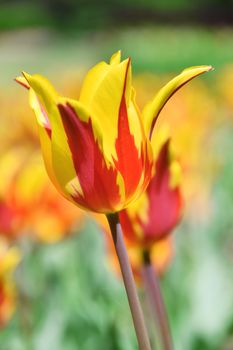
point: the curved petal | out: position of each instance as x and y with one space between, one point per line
57 156
165 201
96 185
158 210
152 109
22 81
102 92
129 158
116 58
95 76
44 129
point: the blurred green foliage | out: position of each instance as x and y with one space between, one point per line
158 49
67 15
69 299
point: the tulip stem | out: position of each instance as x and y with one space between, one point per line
135 307
152 288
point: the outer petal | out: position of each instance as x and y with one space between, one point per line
130 158
42 97
158 210
57 154
95 77
116 57
104 89
45 134
98 184
153 108
165 202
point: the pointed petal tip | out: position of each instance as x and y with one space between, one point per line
116 57
207 68
22 81
203 68
26 75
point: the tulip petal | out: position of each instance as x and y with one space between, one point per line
165 202
116 58
22 81
44 129
95 77
92 81
158 210
129 158
152 109
97 188
44 103
102 93
41 114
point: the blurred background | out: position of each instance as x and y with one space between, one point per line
59 288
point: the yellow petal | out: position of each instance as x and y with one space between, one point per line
102 93
92 81
175 174
22 81
159 137
116 58
60 157
45 138
43 88
37 107
152 109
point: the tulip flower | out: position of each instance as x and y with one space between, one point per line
97 149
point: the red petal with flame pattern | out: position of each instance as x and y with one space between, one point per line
98 181
164 209
128 163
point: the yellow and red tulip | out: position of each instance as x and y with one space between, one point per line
155 214
97 150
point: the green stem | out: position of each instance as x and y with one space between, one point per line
152 287
135 307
